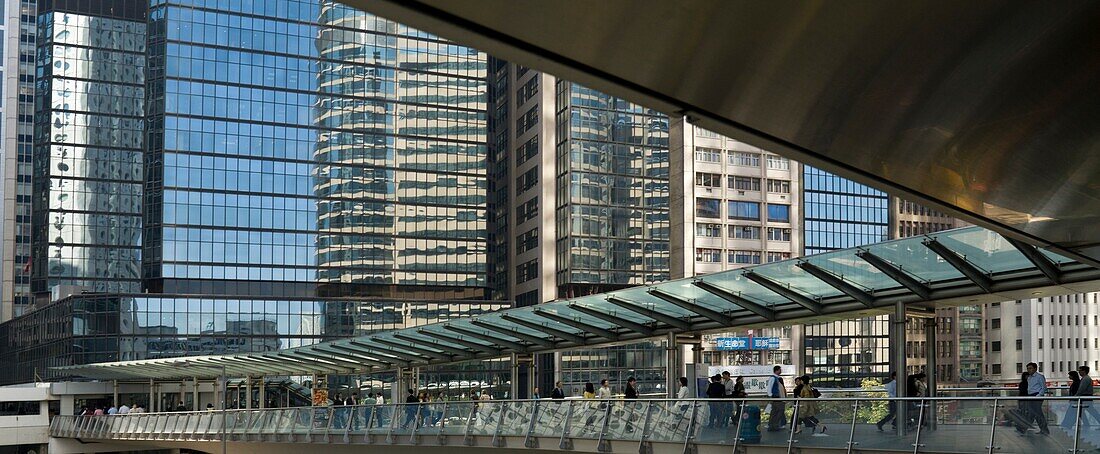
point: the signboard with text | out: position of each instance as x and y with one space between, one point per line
746 343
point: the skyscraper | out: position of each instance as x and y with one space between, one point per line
248 176
17 91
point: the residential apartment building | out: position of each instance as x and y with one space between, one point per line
239 177
18 28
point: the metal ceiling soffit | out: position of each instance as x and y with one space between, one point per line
838 283
797 298
897 274
604 333
637 308
977 276
636 327
708 313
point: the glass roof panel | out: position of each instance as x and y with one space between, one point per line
1059 259
495 320
985 249
438 328
542 321
853 269
736 283
599 303
563 310
916 259
641 296
686 289
789 275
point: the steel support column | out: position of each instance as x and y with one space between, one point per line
513 392
931 352
672 365
897 362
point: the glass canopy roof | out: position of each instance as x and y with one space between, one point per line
919 270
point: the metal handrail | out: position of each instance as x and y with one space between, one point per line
199 425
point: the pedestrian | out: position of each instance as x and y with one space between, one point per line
1070 417
1036 386
631 389
727 410
738 393
113 410
124 410
807 408
715 390
589 390
558 392
535 394
1085 390
411 404
777 418
683 394
892 407
98 411
605 390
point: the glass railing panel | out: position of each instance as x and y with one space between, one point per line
823 423
340 417
383 418
550 418
360 417
407 418
517 417
882 412
431 417
319 419
486 418
626 420
587 420
191 423
455 419
671 420
1020 425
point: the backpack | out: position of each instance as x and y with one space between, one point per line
816 392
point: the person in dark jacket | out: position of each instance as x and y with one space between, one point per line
558 392
631 389
716 390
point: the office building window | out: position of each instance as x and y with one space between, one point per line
778 256
778 163
528 150
710 180
744 210
746 159
996 369
1019 344
527 180
744 183
708 155
1019 321
708 208
996 346
708 230
1019 368
745 257
527 91
528 120
706 255
527 241
779 234
779 186
995 323
527 210
527 271
744 232
779 213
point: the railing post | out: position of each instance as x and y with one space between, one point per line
852 431
602 445
566 442
1077 429
529 441
689 437
993 427
920 422
441 438
794 425
737 428
418 422
393 422
466 438
498 441
374 409
644 447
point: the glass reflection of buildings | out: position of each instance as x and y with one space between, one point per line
270 174
838 214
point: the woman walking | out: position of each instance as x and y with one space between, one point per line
807 409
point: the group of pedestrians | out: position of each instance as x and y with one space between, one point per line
722 386
1080 385
916 385
98 410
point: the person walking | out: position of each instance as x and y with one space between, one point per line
777 418
1036 386
1085 390
631 392
558 392
682 395
715 391
807 409
605 390
411 404
1070 417
892 407
589 391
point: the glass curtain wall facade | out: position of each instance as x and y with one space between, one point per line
270 174
612 220
840 213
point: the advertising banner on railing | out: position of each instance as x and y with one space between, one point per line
756 377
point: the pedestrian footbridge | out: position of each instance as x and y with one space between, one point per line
937 425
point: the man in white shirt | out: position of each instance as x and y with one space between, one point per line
1036 386
123 410
891 392
605 390
113 410
777 390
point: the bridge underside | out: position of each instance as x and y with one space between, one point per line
985 110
